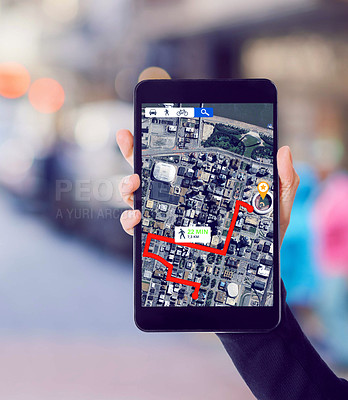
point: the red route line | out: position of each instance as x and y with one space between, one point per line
223 251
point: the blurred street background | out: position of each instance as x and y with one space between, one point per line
67 73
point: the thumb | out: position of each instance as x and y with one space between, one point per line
288 184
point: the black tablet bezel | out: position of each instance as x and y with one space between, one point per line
205 319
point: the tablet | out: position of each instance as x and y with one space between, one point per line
206 253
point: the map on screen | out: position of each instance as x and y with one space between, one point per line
207 204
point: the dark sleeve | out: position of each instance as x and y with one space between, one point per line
282 364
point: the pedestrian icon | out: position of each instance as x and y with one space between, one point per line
182 234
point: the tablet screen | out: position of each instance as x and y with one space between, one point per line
207 204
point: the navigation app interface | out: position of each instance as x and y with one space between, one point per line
207 204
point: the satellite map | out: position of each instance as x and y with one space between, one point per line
207 205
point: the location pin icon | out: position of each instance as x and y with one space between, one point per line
263 188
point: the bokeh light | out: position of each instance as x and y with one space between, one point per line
16 157
46 95
153 73
14 80
92 131
61 10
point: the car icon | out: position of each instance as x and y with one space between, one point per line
182 112
152 111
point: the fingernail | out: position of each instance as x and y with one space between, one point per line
290 155
126 184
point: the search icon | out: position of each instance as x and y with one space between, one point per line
203 112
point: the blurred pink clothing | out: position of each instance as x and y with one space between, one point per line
330 221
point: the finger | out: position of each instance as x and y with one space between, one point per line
124 140
289 181
127 186
129 219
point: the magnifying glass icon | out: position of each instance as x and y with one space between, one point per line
204 112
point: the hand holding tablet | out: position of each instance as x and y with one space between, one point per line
207 185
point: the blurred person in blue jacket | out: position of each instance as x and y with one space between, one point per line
299 271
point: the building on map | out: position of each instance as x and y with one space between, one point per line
220 297
164 172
